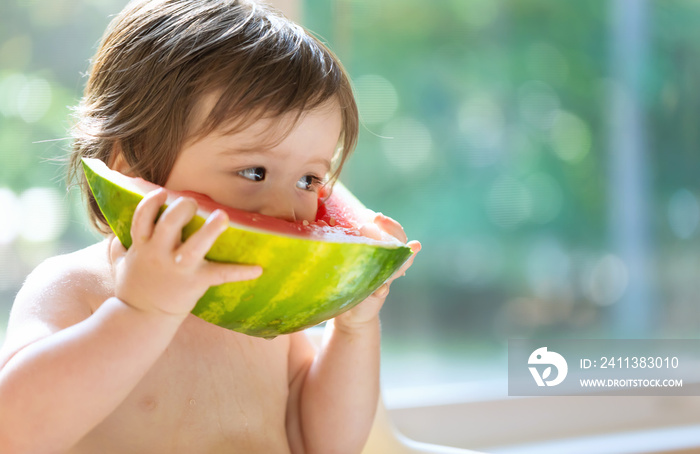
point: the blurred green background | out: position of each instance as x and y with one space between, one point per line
544 152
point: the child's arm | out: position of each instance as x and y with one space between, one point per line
63 369
333 397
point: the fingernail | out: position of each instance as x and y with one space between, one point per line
156 192
383 291
219 216
224 225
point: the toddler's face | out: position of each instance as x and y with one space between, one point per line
259 169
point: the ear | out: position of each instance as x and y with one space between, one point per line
118 162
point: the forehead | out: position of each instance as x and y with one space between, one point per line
258 124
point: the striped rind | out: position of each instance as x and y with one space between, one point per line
304 281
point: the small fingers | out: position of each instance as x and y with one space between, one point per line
145 215
382 291
174 218
415 247
221 273
197 245
391 227
401 271
371 231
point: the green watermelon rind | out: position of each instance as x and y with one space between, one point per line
304 281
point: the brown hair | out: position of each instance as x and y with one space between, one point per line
158 58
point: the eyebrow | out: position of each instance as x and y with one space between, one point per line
325 162
245 149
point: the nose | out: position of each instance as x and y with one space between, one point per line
279 204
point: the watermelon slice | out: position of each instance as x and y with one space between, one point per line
312 271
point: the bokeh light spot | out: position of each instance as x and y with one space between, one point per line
571 137
607 280
10 86
34 100
407 144
44 214
376 97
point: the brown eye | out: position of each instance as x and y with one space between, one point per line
253 173
308 182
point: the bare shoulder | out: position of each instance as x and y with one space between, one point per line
60 292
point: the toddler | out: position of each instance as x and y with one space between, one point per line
229 99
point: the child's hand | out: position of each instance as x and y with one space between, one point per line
160 273
367 310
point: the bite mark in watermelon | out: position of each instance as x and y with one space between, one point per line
313 271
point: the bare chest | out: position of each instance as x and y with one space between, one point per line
212 391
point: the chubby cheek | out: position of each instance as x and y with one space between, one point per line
239 196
